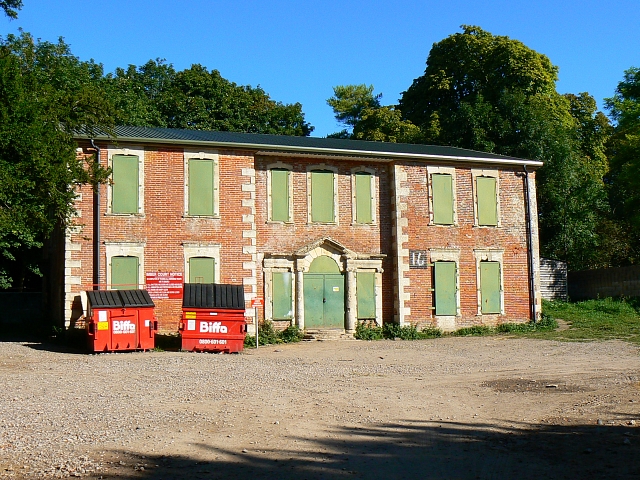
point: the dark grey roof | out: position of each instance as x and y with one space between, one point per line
307 145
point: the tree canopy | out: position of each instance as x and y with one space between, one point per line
156 95
11 7
46 94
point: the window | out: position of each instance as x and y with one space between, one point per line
445 289
366 294
490 291
201 184
201 262
125 184
486 200
322 196
124 273
202 270
363 199
281 295
441 184
125 265
279 195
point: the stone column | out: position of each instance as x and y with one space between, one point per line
352 302
299 298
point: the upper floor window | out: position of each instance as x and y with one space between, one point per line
279 194
363 196
442 198
202 184
125 194
485 183
322 195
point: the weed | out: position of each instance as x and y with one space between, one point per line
291 334
267 335
476 331
368 331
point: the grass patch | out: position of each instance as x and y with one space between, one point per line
267 335
391 331
602 319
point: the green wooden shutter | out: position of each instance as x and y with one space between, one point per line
124 192
442 195
322 197
366 294
445 288
487 206
280 195
124 273
201 186
281 295
202 270
490 287
363 198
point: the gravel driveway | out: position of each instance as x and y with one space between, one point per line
468 408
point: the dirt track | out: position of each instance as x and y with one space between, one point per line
489 407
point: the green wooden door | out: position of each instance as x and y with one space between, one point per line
445 288
124 273
202 270
324 295
490 287
366 294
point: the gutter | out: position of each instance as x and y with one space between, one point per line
96 225
530 256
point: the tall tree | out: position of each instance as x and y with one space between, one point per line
364 118
156 95
46 94
494 94
624 149
11 7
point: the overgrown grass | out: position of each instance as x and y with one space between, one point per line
601 319
369 331
267 335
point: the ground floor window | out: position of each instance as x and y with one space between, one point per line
490 287
282 305
202 270
366 295
124 273
445 290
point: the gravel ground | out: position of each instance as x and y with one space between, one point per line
483 407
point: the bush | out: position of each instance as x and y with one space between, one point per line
267 335
291 334
368 331
409 332
476 330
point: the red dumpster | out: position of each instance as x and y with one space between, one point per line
213 318
120 320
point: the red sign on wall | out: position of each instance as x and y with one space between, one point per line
161 285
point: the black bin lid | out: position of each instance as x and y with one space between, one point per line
213 295
119 298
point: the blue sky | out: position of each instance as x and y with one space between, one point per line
297 51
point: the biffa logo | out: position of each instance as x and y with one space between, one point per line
212 327
124 326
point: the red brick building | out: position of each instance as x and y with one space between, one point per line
328 232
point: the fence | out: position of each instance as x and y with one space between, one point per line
608 282
553 279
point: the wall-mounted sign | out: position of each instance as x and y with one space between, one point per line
418 259
162 285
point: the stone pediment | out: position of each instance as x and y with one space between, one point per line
325 243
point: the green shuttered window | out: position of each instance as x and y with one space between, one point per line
490 287
366 294
487 205
445 288
364 201
124 273
124 190
281 295
322 196
442 185
202 270
201 187
280 195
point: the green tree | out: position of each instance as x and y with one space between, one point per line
624 150
46 94
11 7
156 95
364 118
494 94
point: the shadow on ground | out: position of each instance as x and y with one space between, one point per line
405 451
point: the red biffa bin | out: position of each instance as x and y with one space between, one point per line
120 320
213 318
